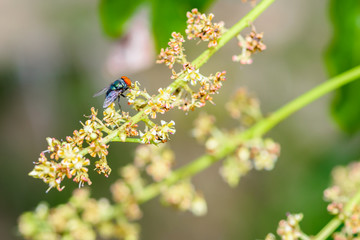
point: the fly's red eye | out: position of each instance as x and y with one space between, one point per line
126 80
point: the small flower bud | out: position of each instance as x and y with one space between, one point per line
199 206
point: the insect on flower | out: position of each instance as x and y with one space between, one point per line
115 91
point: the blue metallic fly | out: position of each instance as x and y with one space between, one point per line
115 91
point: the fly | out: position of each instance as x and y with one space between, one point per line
115 91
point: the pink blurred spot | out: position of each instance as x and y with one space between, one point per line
135 50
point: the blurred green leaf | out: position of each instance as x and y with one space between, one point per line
170 16
343 54
166 16
115 13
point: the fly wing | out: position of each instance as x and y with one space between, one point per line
102 91
110 98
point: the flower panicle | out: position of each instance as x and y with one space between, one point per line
203 126
258 154
190 99
72 165
201 26
183 196
158 134
252 43
162 103
345 184
244 107
156 161
185 98
198 26
290 228
174 53
92 218
66 159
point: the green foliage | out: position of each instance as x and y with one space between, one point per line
343 54
115 13
166 16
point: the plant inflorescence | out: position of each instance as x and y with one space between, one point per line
153 161
243 148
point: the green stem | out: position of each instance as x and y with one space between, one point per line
305 99
328 229
132 140
148 122
303 236
229 145
336 221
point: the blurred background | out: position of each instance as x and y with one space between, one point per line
54 56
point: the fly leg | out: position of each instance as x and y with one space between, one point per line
118 101
123 96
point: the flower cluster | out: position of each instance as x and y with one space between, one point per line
193 75
155 160
73 165
244 107
185 98
66 158
100 217
289 228
346 183
190 99
204 124
87 218
158 134
137 97
81 218
162 103
184 197
200 26
113 119
124 191
252 43
256 153
173 53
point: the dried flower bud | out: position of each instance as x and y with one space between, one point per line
251 44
